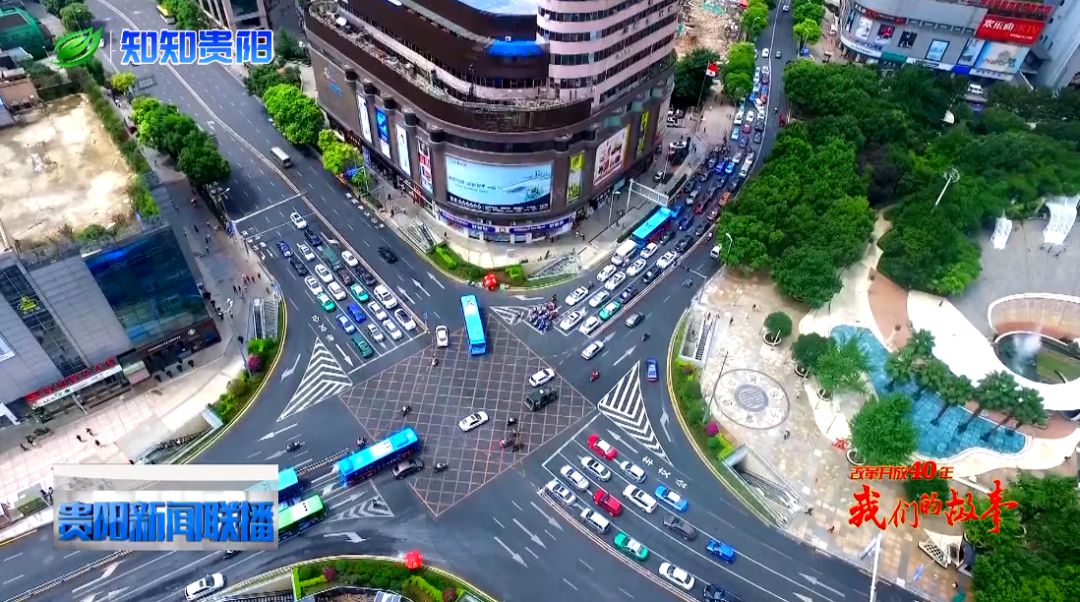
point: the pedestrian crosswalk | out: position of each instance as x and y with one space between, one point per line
509 314
323 378
625 406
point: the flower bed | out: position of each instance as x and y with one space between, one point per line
423 585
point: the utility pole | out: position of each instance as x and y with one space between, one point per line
950 175
873 575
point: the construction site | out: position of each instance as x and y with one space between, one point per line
708 24
61 173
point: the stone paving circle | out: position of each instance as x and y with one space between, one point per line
751 399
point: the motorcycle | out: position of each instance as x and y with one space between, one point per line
292 446
645 337
229 554
688 283
441 466
361 443
595 375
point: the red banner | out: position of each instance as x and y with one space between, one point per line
1010 30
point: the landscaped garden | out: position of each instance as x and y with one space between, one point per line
419 585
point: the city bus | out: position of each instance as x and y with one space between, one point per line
474 325
295 519
288 486
331 256
366 462
165 14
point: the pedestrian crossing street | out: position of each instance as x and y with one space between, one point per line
323 378
625 406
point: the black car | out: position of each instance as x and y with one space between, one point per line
713 593
757 137
650 274
387 255
684 244
343 273
680 527
628 294
366 277
700 230
702 176
298 266
666 238
760 125
407 467
733 184
312 238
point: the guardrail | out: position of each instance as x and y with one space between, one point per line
30 593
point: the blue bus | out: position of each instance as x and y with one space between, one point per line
474 326
366 462
288 486
651 228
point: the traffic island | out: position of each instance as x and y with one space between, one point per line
511 276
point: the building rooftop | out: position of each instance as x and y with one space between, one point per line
503 7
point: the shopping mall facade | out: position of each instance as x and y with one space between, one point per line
507 120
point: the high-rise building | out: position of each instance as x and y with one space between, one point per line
981 38
1056 58
237 14
505 119
80 328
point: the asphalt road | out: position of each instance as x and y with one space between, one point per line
507 538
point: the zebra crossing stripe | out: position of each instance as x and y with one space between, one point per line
625 406
323 378
510 315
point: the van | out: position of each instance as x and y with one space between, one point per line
362 346
715 252
594 521
975 89
536 399
625 251
281 157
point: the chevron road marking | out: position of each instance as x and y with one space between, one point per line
510 315
625 406
323 378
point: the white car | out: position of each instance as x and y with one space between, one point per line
739 116
576 295
575 478
376 311
306 252
632 471
298 220
336 291
349 259
606 272
385 297
376 334
405 319
750 116
649 250
594 348
615 281
598 299
590 325
541 377
677 576
313 285
472 421
595 468
764 55
765 70
204 587
640 499
571 320
560 492
324 274
637 267
666 260
442 336
395 332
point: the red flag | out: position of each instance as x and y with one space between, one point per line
712 70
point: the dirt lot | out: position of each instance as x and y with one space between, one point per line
60 166
707 25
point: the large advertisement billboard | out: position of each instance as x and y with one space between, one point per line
573 178
997 28
498 188
402 148
365 121
423 162
971 52
643 129
1001 58
610 155
382 124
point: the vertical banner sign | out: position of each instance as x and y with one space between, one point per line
382 124
365 123
573 178
423 161
610 155
402 148
643 128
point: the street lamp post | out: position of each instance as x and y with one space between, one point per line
873 575
950 175
243 356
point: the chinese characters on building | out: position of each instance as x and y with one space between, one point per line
184 47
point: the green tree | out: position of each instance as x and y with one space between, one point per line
737 85
363 180
201 162
921 344
914 489
287 48
956 392
55 6
1028 409
996 391
297 116
755 19
931 374
122 82
142 108
691 83
153 124
326 139
882 431
778 324
807 32
338 157
809 347
187 13
76 16
840 369
262 77
900 368
808 275
178 131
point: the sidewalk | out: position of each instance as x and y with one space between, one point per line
153 411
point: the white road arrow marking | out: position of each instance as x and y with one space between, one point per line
406 295
435 280
535 539
664 418
417 284
804 598
352 536
344 355
109 570
517 557
524 298
815 582
625 355
288 372
273 434
551 520
275 455
618 437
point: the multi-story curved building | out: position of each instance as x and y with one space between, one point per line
505 119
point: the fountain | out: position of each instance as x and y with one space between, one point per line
1038 357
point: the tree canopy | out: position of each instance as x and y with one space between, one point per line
76 16
882 431
338 156
691 83
287 47
755 18
122 81
296 115
808 32
163 127
840 369
187 13
262 77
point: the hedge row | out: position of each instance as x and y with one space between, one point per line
240 389
691 401
422 585
445 257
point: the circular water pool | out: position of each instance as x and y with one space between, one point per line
1039 358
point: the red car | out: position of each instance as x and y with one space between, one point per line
725 198
607 502
700 208
783 120
602 448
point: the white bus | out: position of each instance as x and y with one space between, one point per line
281 156
625 251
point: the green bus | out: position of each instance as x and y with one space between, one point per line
295 519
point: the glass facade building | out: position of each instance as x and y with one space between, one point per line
151 290
27 304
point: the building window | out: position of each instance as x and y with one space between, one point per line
5 350
907 39
149 286
37 318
